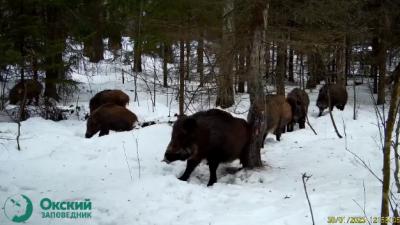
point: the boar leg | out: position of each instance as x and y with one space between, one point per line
37 100
190 166
302 123
213 165
320 112
283 129
278 134
104 132
263 140
290 126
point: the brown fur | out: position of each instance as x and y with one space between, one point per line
109 117
278 115
277 112
117 97
338 96
33 90
299 101
214 135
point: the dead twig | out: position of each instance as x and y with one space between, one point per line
363 208
137 156
21 116
330 114
305 179
357 156
309 124
126 160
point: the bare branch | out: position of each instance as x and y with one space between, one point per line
330 114
126 160
309 124
305 179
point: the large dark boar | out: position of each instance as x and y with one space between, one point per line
109 117
213 135
299 101
33 90
338 95
278 114
108 96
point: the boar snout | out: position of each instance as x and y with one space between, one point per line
181 154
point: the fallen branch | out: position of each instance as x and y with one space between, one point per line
305 179
137 156
22 116
330 114
309 124
392 196
356 156
126 160
153 122
363 208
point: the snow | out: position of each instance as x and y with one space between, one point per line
123 176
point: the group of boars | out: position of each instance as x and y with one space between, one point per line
214 135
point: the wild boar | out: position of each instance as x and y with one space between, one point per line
33 91
110 117
278 115
338 97
299 102
117 97
214 135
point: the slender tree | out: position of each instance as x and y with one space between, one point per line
225 94
391 119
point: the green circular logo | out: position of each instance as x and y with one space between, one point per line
18 208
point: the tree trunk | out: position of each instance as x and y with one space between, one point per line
374 64
225 92
181 76
200 60
187 68
55 70
256 115
137 46
316 69
35 68
137 54
348 59
301 71
280 68
291 67
241 71
311 65
114 42
340 64
388 143
165 64
382 72
273 57
267 59
23 55
54 73
97 48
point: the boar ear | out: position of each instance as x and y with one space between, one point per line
180 116
92 119
189 124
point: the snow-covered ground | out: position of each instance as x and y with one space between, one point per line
127 184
